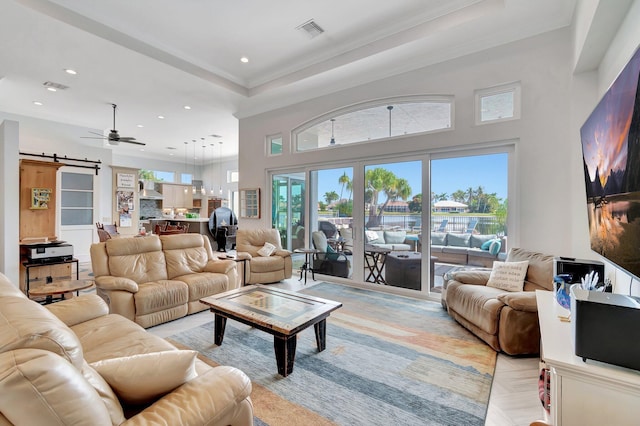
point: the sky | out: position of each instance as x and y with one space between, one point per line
448 175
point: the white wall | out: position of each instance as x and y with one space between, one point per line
9 201
545 140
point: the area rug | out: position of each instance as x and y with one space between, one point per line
389 360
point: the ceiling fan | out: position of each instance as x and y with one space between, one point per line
114 138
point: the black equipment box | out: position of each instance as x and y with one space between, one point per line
605 327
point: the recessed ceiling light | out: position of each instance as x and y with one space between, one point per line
161 117
52 89
70 71
37 103
244 59
140 126
187 107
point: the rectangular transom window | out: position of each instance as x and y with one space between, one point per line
499 103
274 145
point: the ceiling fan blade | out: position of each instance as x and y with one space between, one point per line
131 140
91 137
96 133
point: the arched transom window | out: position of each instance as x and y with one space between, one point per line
385 118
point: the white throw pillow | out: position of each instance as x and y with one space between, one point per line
371 235
267 250
140 379
508 276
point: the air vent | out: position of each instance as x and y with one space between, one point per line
56 86
310 28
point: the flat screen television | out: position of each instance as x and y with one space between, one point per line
611 154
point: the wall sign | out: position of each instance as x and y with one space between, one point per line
126 180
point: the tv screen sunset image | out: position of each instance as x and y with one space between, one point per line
611 154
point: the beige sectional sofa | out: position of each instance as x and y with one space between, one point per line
507 321
155 279
73 363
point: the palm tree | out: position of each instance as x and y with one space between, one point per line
381 180
343 181
330 196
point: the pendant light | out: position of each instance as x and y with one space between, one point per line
213 156
193 185
185 161
203 191
333 140
220 165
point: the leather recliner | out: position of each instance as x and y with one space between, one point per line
263 269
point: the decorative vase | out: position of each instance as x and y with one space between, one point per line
562 287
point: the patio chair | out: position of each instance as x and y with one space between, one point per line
471 227
443 226
327 261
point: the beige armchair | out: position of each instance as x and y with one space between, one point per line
263 269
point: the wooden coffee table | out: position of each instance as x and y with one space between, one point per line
278 312
61 288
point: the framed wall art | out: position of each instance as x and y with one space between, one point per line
40 198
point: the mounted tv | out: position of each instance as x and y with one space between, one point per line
611 156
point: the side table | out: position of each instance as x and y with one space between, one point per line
237 260
50 290
307 265
375 258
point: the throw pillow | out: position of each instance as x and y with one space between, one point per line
371 236
267 250
438 238
140 379
458 240
508 276
331 253
394 237
485 245
495 246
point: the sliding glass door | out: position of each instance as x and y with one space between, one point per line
468 212
392 215
288 208
367 221
331 220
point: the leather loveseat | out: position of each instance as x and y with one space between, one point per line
155 279
73 363
506 320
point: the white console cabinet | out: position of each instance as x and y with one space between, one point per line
583 393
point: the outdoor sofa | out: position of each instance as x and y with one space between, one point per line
468 249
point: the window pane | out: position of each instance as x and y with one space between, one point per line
377 122
276 146
186 178
77 199
495 107
77 181
76 216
